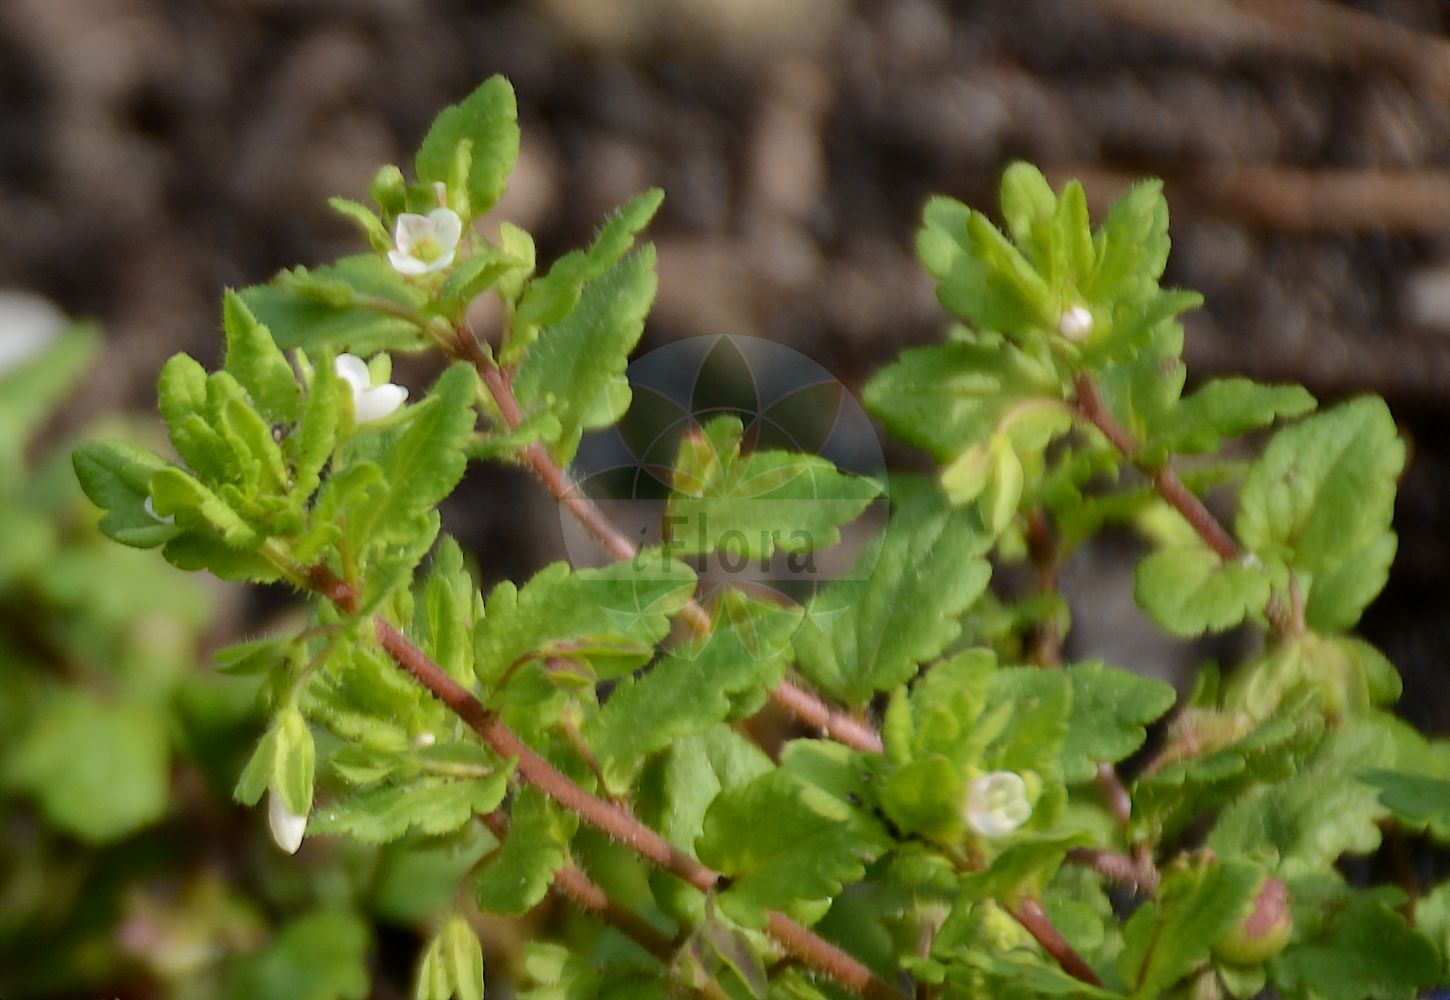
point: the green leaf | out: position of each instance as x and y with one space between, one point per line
447 612
1323 488
611 617
321 956
310 446
926 797
1132 246
176 494
899 607
1189 590
1365 950
256 362
1226 408
1168 938
1416 799
430 805
99 770
366 219
687 692
579 357
487 120
1110 708
358 304
1214 758
425 461
535 848
1323 811
946 398
812 846
1341 592
749 506
116 477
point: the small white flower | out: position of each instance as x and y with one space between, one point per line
1075 323
424 740
287 826
168 519
997 804
369 402
425 243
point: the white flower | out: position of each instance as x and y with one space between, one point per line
168 519
1075 323
997 804
425 242
369 402
287 826
28 323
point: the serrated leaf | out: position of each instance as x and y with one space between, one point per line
487 120
447 609
337 307
1340 593
430 805
899 607
624 608
116 477
749 506
1323 488
687 692
1132 245
176 494
1323 811
1190 590
948 397
1167 939
1110 708
577 358
926 797
535 848
813 845
1366 950
256 362
425 461
1227 408
553 295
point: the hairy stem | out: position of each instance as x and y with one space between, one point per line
1090 407
803 704
610 819
1135 872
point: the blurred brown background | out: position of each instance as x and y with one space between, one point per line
152 152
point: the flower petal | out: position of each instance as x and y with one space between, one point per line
447 228
410 230
287 827
404 264
354 371
378 402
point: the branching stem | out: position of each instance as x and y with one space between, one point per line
1090 407
799 702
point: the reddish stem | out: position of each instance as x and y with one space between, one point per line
803 704
571 882
815 951
1090 407
1029 913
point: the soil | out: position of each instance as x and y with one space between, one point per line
154 151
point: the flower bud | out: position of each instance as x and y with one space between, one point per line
1264 932
287 827
389 189
1075 323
